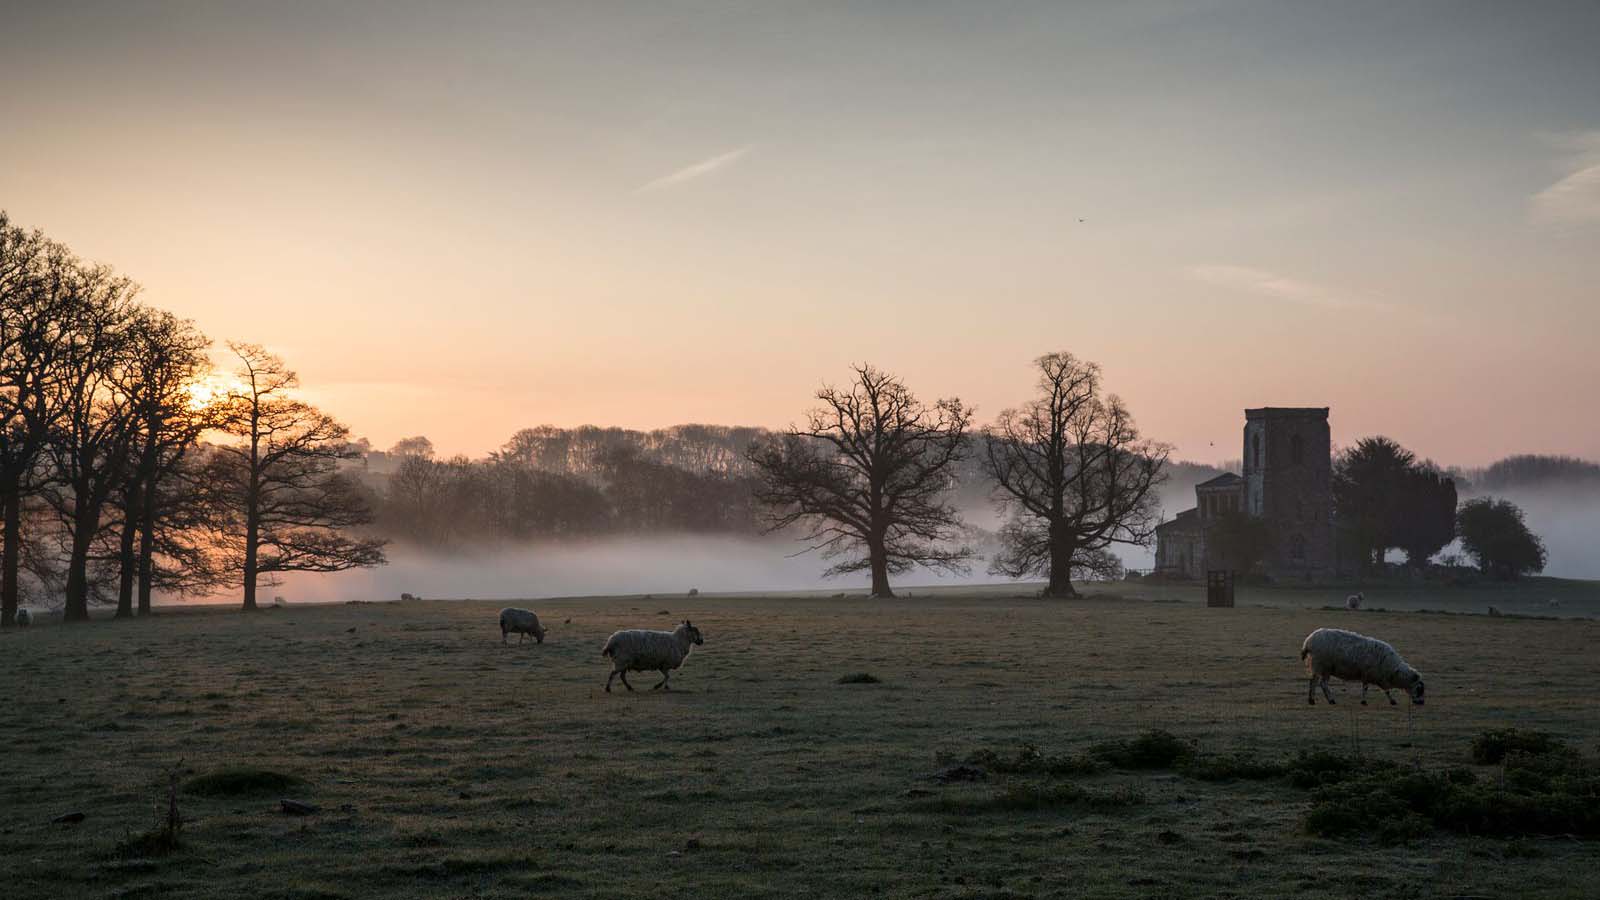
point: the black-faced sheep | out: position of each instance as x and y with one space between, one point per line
1355 600
639 650
1356 657
24 618
522 622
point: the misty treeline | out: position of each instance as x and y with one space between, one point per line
126 469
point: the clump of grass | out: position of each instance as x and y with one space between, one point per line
1548 793
860 678
237 781
1495 745
1233 767
1311 770
1156 749
1030 760
1029 796
162 839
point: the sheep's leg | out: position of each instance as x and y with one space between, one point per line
502 635
1364 687
663 683
624 674
1327 693
1311 691
608 680
1390 696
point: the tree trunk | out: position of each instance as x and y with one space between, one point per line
125 558
147 542
1059 586
878 558
87 521
11 557
251 535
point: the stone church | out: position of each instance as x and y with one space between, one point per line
1288 481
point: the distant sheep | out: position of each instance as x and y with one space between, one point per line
406 597
1355 600
521 621
1356 657
638 650
1554 603
694 592
1493 611
24 618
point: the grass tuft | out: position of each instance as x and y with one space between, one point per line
1156 749
860 678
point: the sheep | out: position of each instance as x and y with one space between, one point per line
523 622
24 618
1356 657
1355 600
638 650
1554 603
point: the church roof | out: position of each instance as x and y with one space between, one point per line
1185 519
1226 478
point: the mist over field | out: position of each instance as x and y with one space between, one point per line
1567 518
663 565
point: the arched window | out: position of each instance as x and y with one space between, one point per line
1297 450
1256 446
1297 547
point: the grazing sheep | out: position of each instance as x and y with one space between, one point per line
1356 657
521 621
1493 611
1355 600
638 650
406 597
694 592
24 618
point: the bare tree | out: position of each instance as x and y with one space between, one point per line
1076 477
93 430
867 477
33 338
167 357
281 503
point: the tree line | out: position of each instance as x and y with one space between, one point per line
128 465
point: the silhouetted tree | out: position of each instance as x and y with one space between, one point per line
34 300
1426 520
418 446
866 478
166 357
1495 535
280 502
1075 475
1370 482
91 435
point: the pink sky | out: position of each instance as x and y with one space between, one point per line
460 225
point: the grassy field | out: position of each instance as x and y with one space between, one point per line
447 765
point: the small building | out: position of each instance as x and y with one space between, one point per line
1287 480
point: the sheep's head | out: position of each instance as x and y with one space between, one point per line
691 632
1415 687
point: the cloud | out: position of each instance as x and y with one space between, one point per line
697 170
1279 287
1575 197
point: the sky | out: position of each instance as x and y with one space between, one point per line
463 219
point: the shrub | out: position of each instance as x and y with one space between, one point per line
1029 760
860 678
1492 746
1157 749
1234 767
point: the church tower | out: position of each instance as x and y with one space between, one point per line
1288 481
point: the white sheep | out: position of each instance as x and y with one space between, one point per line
1355 600
1356 657
639 650
24 618
521 621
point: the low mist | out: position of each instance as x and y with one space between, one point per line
664 565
